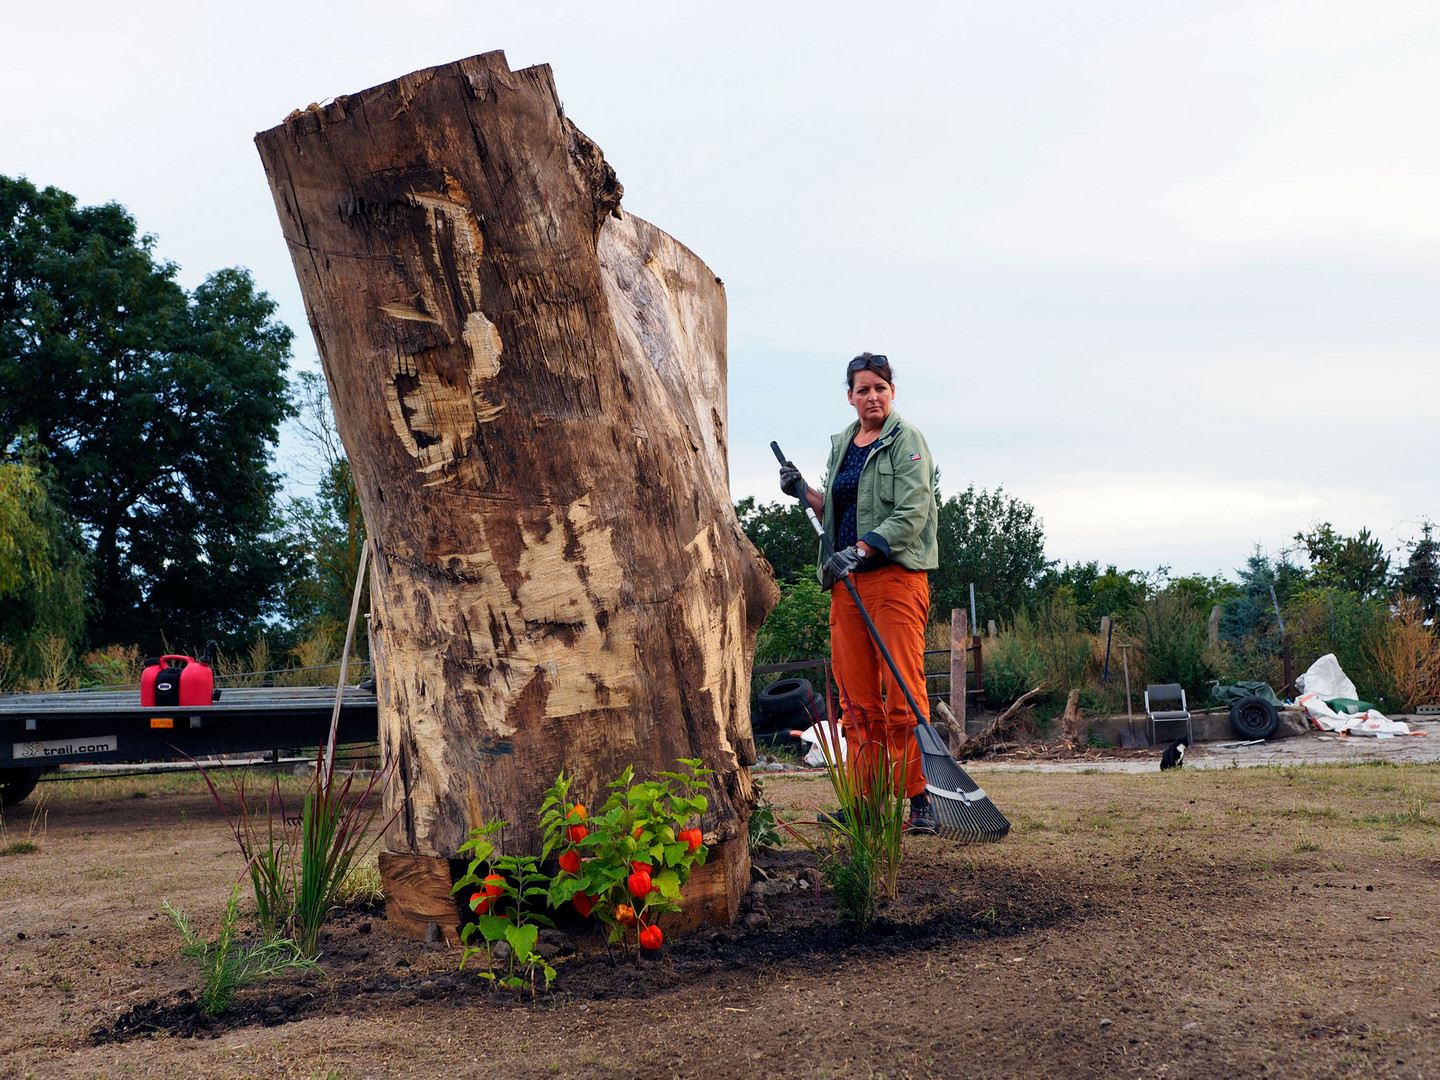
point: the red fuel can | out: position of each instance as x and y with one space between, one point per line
181 681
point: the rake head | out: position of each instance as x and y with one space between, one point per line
960 806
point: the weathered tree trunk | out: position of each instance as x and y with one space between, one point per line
531 390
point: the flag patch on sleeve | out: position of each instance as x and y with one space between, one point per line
914 457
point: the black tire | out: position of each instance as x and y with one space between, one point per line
785 696
16 784
1254 718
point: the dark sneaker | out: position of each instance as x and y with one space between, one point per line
835 820
922 822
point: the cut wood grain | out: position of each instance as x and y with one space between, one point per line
530 386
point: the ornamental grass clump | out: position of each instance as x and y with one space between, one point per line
860 853
300 865
227 964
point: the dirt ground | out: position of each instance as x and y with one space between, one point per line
1277 921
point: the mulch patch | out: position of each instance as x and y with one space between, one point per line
366 972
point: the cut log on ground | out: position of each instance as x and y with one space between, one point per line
1003 729
530 386
1070 721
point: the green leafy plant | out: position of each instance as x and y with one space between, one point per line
764 830
628 862
228 964
503 902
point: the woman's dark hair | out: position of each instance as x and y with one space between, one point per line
880 365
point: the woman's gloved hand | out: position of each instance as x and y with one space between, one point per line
839 566
790 482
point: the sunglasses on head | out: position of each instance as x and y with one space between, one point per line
874 363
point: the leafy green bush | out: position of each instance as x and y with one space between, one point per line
799 627
1320 621
1173 638
1012 662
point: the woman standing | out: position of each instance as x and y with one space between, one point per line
877 504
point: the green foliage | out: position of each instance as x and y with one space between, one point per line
850 871
1093 592
764 832
641 824
1356 563
1329 620
327 530
1012 662
43 571
227 964
784 535
1048 648
864 847
1172 636
300 868
156 409
1062 647
799 627
1248 621
510 885
333 838
1419 578
994 540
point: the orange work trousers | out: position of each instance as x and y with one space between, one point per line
875 710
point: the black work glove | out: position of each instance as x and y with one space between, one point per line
790 482
839 566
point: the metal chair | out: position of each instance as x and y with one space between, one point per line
1165 694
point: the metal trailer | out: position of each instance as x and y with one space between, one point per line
44 731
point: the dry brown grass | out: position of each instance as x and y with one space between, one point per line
1406 656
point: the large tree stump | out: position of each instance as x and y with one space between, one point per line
530 386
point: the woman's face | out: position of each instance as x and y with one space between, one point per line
872 397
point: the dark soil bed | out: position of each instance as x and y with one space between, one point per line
798 929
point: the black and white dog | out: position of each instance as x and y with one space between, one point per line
1174 755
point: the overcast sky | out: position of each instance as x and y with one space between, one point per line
1169 271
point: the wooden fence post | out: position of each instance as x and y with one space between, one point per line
959 636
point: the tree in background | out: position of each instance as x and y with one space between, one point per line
326 529
1356 563
994 540
784 535
799 627
1249 612
1094 592
1419 578
156 411
42 574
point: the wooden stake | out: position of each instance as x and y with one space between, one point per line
959 642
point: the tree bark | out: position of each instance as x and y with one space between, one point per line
530 387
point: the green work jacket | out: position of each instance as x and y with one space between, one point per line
895 509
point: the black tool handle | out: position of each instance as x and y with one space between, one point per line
829 550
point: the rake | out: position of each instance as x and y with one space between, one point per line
962 809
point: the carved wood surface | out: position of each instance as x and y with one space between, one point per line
530 386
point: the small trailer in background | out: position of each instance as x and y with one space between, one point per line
93 727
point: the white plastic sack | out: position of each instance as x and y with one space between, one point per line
1371 722
1326 680
835 743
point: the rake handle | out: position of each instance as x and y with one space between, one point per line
829 550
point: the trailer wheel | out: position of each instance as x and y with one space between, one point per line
16 784
1254 718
